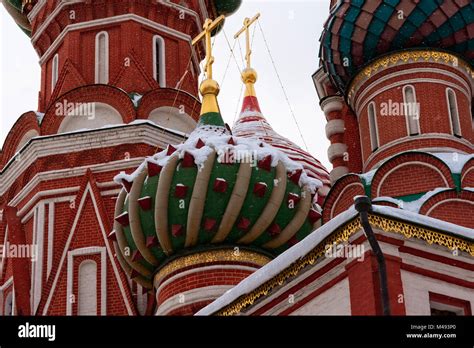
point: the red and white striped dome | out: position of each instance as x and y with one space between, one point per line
252 124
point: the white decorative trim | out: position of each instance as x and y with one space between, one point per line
445 201
407 164
29 214
331 104
37 265
335 127
94 250
162 73
342 194
15 201
35 10
51 219
336 150
110 192
413 71
102 79
143 133
192 296
54 71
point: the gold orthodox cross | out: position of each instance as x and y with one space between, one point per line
247 23
208 27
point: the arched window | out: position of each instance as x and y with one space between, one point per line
453 112
102 58
374 136
54 71
8 307
159 64
87 293
411 110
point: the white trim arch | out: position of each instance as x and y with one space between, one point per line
159 60
102 58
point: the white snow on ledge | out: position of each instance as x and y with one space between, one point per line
274 267
277 265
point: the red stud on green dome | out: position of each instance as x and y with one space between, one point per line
274 229
112 236
152 241
123 219
295 176
180 191
209 224
136 256
177 230
293 199
170 150
243 224
188 160
145 203
313 216
200 144
153 169
259 189
265 163
220 185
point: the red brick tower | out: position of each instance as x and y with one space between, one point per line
396 87
119 81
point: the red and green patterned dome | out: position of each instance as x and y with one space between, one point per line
215 190
252 124
358 31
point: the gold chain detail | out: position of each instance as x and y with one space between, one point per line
429 236
342 235
404 57
212 256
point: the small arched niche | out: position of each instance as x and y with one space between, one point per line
173 118
79 116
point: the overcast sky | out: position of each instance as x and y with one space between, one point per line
292 29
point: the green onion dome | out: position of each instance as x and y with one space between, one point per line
359 31
214 190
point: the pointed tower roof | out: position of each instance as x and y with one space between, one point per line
252 124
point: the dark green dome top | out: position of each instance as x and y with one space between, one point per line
358 31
